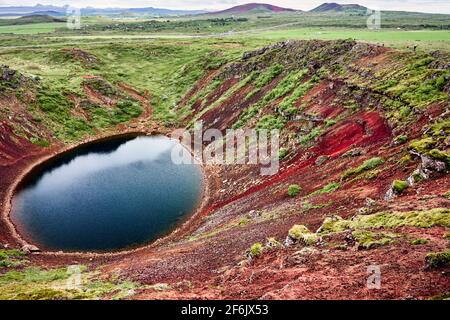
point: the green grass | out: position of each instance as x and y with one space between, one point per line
331 187
40 284
166 69
366 166
266 77
287 105
11 258
270 122
425 39
307 139
33 28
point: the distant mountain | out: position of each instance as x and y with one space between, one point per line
250 8
18 10
327 7
89 11
50 13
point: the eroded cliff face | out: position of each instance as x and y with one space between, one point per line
364 132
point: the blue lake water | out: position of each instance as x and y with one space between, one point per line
107 196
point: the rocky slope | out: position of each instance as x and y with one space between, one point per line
365 141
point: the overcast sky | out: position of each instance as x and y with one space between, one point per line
437 6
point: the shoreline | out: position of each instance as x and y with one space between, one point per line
37 164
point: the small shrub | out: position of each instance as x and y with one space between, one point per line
244 221
297 231
417 242
438 259
401 139
399 186
440 155
330 123
294 190
272 243
282 153
256 250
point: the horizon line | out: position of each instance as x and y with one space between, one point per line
204 9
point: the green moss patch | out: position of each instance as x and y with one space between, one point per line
366 166
369 240
301 234
433 142
419 219
438 259
418 242
399 186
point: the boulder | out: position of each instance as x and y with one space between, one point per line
29 248
356 152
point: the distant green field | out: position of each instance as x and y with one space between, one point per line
32 28
425 39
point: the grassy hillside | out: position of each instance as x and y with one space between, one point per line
31 19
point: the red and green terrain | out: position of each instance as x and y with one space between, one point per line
364 155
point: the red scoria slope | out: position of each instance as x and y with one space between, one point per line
343 119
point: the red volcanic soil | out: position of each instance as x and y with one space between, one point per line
12 147
359 131
246 8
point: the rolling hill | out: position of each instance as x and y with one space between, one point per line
251 8
30 19
336 7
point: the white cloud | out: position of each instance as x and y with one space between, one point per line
437 6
